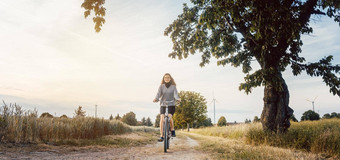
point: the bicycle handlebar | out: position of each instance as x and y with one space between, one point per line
167 102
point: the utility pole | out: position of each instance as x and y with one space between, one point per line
96 111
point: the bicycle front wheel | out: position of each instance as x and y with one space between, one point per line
165 131
168 143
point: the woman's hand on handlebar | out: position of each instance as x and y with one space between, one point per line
155 100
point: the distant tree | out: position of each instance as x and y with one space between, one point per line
193 108
222 121
46 115
79 112
148 122
292 118
247 120
332 115
206 123
256 119
143 121
326 116
111 117
118 117
130 119
310 115
63 116
335 115
157 120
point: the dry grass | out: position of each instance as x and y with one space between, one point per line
225 148
321 136
234 131
19 126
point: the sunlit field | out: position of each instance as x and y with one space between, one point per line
20 126
321 136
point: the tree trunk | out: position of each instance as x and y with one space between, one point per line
276 112
188 126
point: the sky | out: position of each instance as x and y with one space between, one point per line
53 60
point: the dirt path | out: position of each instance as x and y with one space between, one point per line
180 148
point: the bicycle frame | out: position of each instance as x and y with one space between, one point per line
166 126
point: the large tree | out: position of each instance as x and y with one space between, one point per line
192 108
239 32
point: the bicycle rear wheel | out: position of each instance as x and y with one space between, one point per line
165 126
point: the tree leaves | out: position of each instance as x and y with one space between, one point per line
99 12
269 31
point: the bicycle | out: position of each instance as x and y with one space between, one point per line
166 125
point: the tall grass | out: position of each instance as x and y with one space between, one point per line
234 131
20 126
321 136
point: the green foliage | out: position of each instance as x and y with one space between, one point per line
143 121
118 117
256 119
148 122
130 119
310 115
206 123
247 120
46 114
193 108
111 117
292 118
157 120
222 121
99 12
316 136
240 32
332 115
79 112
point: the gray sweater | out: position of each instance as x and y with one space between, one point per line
167 94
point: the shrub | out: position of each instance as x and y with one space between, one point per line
222 121
310 115
130 119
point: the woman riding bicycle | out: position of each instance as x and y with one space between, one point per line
167 91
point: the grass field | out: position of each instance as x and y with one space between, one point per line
19 126
236 149
321 137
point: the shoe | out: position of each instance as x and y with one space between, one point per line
160 139
173 134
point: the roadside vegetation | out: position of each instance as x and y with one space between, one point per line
319 137
226 148
25 127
